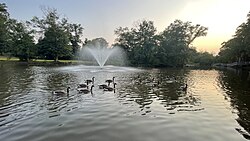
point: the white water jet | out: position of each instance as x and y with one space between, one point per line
99 51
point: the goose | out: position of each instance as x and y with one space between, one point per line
110 81
184 88
85 91
83 85
90 81
103 86
109 88
60 92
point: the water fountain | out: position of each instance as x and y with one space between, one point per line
98 51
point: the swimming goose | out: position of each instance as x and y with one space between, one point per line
83 85
109 88
184 88
90 81
60 92
103 86
110 81
85 91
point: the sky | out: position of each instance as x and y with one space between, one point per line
101 17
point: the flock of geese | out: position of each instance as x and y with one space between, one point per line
84 87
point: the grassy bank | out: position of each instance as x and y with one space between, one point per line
4 58
44 62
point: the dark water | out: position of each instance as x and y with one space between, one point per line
216 106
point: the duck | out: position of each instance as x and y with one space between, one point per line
90 81
110 81
109 88
85 91
60 92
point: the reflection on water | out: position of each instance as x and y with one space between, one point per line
147 104
146 89
236 84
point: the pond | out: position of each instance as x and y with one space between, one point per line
146 105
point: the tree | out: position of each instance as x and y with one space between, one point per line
237 48
23 45
145 42
55 44
170 48
204 58
138 42
231 51
76 32
98 42
54 35
175 42
4 19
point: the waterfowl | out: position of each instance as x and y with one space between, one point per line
90 81
85 91
184 88
60 92
103 86
83 85
109 88
110 81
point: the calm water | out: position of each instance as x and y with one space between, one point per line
216 106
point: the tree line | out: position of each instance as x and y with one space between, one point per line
54 37
49 37
237 49
170 48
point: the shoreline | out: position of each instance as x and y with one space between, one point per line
45 62
235 65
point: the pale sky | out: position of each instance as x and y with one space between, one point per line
101 17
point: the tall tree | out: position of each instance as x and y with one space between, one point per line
237 48
170 48
4 19
54 40
138 41
76 31
175 42
23 45
55 44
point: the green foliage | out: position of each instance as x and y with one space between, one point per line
76 32
55 41
54 44
98 42
23 45
204 58
57 38
4 20
138 42
237 49
176 39
170 48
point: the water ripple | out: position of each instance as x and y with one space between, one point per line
146 105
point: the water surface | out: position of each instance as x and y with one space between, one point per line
147 104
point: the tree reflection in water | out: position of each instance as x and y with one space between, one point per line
162 87
236 84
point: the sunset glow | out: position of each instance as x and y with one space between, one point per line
100 18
